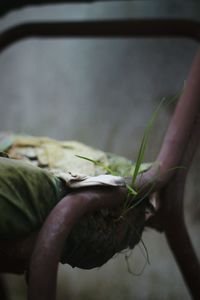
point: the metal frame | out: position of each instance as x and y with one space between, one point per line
102 28
178 148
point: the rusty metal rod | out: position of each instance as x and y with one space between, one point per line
102 29
50 242
175 227
178 132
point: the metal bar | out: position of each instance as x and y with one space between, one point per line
170 217
102 29
49 245
178 133
175 228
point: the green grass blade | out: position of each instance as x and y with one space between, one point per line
97 163
88 159
144 142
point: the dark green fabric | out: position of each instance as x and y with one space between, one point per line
27 194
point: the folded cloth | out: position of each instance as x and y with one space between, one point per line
27 194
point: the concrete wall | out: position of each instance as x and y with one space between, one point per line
101 92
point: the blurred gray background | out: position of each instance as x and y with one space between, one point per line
101 92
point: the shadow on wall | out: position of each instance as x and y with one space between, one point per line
102 92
